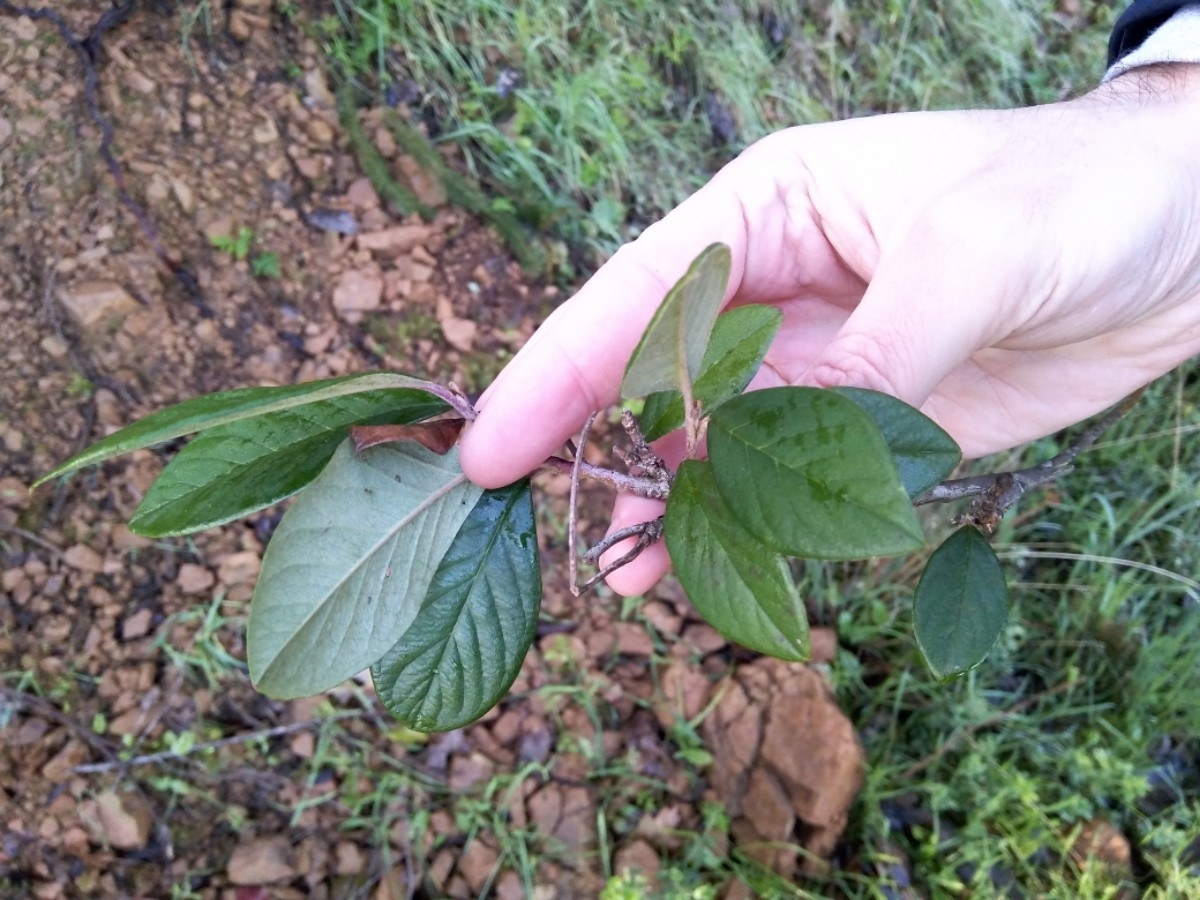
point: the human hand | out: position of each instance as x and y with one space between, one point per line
1008 272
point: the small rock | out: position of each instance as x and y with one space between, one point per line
83 558
685 690
468 771
265 132
638 856
545 809
362 194
577 826
54 346
476 865
1101 840
427 188
183 195
194 579
510 887
6 131
385 143
94 304
238 568
240 25
159 189
262 861
394 241
824 643
348 858
140 82
317 87
633 639
24 29
137 625
704 638
14 493
357 292
124 820
320 132
459 333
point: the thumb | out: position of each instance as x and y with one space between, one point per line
934 300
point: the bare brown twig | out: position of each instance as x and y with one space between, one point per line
998 492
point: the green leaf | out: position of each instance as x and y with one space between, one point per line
807 473
465 647
234 469
736 349
923 452
350 564
669 354
961 605
740 587
212 410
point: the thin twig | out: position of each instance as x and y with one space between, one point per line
572 514
647 534
163 756
640 486
999 491
31 537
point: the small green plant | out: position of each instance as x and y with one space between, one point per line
265 265
391 559
237 246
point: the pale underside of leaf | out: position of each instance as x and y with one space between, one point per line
735 351
233 470
669 355
213 410
349 565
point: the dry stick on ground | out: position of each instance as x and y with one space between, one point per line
165 755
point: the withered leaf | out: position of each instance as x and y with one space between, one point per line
438 436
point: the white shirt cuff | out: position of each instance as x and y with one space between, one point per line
1177 40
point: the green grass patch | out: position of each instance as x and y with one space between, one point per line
591 120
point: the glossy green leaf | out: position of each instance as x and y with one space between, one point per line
807 472
349 566
736 349
465 647
213 410
923 452
741 588
961 605
672 347
234 469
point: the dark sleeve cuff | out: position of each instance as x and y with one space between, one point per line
1137 23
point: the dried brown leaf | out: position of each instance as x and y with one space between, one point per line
437 436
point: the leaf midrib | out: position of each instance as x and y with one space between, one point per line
388 535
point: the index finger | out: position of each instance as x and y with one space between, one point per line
574 363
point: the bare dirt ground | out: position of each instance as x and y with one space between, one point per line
120 656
